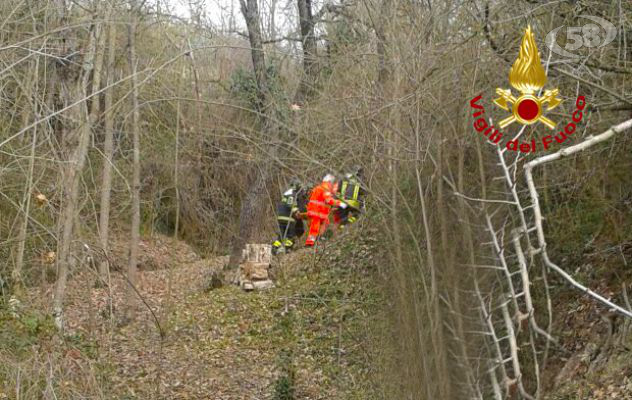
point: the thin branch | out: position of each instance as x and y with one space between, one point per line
538 213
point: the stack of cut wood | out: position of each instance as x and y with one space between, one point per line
254 271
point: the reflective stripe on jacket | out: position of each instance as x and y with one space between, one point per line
287 207
350 192
321 200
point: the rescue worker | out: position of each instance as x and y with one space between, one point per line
321 199
351 193
293 202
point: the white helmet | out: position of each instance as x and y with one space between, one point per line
329 178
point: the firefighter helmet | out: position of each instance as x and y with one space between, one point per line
329 178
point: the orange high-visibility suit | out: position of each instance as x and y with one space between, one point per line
320 202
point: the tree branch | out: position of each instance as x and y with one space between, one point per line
538 212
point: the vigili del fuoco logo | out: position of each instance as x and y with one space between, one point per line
528 77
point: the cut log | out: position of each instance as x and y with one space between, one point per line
254 271
257 253
262 285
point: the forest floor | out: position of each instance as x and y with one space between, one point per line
592 360
317 335
310 337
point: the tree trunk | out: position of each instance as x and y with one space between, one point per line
16 274
78 140
306 20
250 10
252 206
98 68
196 174
176 161
135 233
108 154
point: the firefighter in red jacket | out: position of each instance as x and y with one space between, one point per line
321 200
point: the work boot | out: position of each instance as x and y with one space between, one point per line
276 246
288 244
310 241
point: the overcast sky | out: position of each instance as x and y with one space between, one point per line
220 12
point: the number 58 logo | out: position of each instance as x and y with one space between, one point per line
591 35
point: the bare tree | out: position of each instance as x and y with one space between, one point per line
74 87
308 39
253 204
108 155
16 274
135 131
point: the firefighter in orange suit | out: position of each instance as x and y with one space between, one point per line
321 200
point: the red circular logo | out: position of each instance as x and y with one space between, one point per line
528 109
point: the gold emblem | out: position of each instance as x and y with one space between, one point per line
527 76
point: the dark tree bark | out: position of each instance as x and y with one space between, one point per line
250 10
308 39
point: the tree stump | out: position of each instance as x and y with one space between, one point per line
254 270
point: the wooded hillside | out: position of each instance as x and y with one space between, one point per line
143 144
